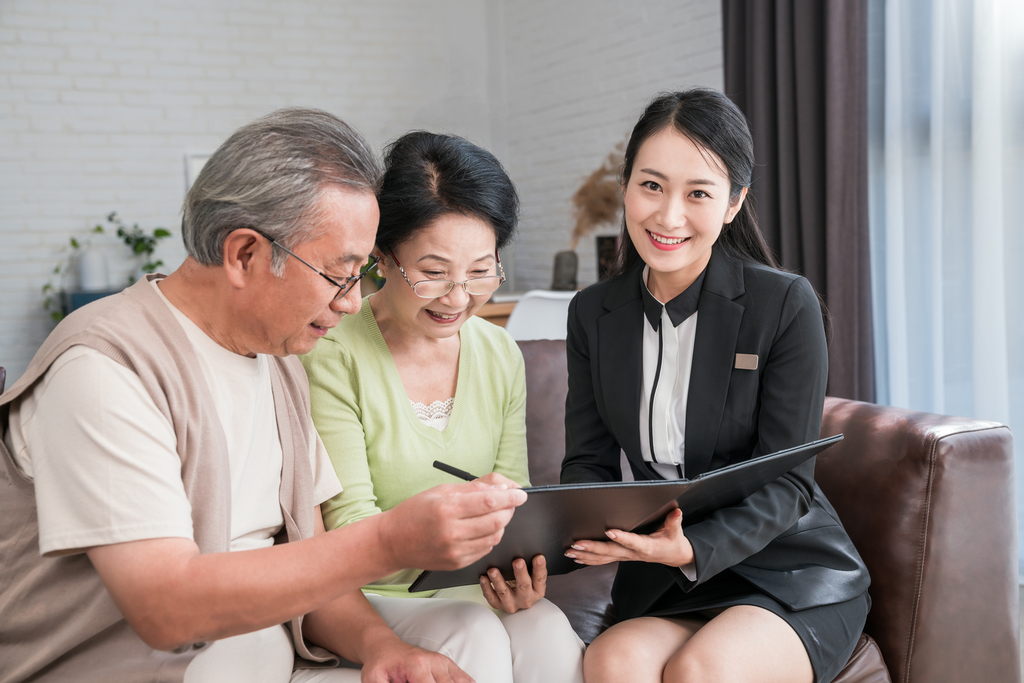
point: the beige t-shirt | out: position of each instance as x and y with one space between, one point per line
106 470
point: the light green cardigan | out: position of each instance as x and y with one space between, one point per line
381 451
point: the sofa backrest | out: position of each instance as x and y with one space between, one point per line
546 385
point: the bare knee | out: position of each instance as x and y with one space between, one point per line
604 662
697 665
621 655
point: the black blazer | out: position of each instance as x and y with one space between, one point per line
785 539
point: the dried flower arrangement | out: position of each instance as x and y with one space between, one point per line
598 200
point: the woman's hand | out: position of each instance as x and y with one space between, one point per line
668 545
521 594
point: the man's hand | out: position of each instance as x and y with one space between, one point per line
399 662
519 594
497 479
668 545
448 526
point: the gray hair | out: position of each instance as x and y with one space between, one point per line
269 176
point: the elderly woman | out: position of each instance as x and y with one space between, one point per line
414 377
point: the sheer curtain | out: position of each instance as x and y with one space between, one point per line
946 169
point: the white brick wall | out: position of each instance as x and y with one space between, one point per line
579 73
100 100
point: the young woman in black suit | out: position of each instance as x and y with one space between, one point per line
701 353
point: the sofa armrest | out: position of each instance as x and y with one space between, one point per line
929 502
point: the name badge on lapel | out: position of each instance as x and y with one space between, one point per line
746 361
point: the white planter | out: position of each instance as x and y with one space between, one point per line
92 270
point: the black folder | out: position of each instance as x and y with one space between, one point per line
553 517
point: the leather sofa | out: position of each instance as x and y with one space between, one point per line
928 500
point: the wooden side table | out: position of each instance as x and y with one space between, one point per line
496 313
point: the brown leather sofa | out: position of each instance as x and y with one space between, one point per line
929 502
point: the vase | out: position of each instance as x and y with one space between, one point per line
564 276
92 270
607 248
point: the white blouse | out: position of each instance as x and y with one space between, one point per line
669 332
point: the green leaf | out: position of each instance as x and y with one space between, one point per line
57 316
74 243
47 288
140 247
98 229
161 232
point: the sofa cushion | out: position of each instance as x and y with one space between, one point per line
865 665
585 596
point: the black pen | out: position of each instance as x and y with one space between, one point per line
461 474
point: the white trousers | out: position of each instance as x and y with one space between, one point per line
536 645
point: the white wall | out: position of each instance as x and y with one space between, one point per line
579 73
100 100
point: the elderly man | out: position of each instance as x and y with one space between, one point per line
160 477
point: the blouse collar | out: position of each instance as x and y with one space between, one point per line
679 309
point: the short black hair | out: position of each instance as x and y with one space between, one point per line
429 175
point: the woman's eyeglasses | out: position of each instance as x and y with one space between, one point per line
475 286
343 287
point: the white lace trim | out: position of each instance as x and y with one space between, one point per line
435 415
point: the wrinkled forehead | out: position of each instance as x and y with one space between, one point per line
346 225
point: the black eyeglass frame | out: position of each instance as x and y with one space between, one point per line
343 289
465 283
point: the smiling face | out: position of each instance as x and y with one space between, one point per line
298 308
676 202
453 247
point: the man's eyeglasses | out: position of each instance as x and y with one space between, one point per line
343 287
433 289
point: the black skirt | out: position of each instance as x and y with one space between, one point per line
829 632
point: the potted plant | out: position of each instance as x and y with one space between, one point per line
53 292
142 244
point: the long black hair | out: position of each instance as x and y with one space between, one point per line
429 175
713 123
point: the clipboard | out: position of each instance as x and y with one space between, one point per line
555 516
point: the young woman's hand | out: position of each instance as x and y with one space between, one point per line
521 594
668 545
